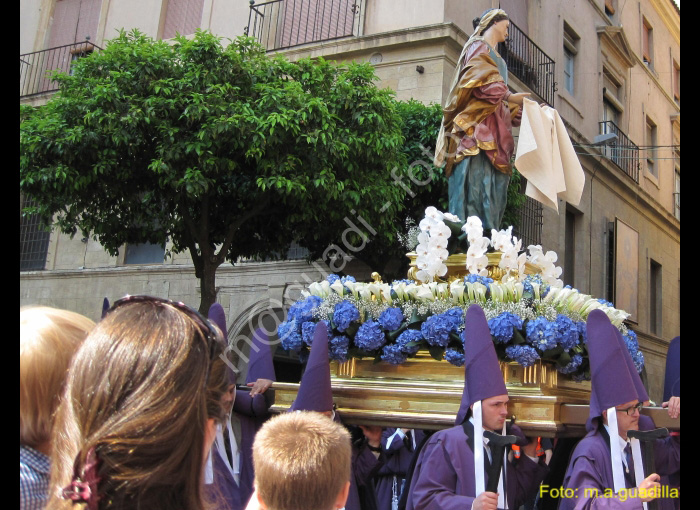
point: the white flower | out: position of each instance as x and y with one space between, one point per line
337 287
425 294
473 222
427 224
451 217
423 238
432 213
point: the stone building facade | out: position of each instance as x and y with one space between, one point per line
610 67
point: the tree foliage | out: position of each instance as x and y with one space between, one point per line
224 151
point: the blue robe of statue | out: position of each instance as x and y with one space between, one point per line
444 475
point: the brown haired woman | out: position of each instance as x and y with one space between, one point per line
48 339
140 409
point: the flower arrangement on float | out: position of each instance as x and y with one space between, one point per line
531 316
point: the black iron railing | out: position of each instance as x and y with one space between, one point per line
35 68
33 238
530 224
623 151
529 63
278 24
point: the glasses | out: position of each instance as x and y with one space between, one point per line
630 410
210 333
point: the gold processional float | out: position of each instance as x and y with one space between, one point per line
425 393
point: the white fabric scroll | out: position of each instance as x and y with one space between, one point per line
615 454
546 158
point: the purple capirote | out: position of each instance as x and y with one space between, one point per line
482 372
315 388
611 382
217 316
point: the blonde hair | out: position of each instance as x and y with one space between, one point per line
301 461
139 393
48 339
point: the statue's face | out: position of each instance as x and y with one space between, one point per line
500 28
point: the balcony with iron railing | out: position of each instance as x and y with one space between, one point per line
35 68
279 24
529 63
623 151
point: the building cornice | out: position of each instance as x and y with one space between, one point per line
670 16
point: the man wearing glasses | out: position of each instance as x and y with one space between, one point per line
601 472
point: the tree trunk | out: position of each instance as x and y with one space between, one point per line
207 284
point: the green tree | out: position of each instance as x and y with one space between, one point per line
222 150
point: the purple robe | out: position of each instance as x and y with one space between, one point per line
224 493
397 457
590 468
444 475
364 463
252 414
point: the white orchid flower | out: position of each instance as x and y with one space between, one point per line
451 217
473 222
423 238
427 224
432 213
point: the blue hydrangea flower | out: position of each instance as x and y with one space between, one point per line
408 336
307 332
631 341
572 366
523 354
606 303
393 354
456 317
332 278
638 359
454 356
348 279
581 326
541 333
472 278
436 330
302 311
568 332
391 319
338 348
370 336
343 314
289 334
501 327
308 329
407 282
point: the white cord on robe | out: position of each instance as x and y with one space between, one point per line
615 456
221 447
479 482
209 466
638 463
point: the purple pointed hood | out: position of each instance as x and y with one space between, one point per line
260 364
642 394
482 372
217 316
315 389
611 382
672 379
105 307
